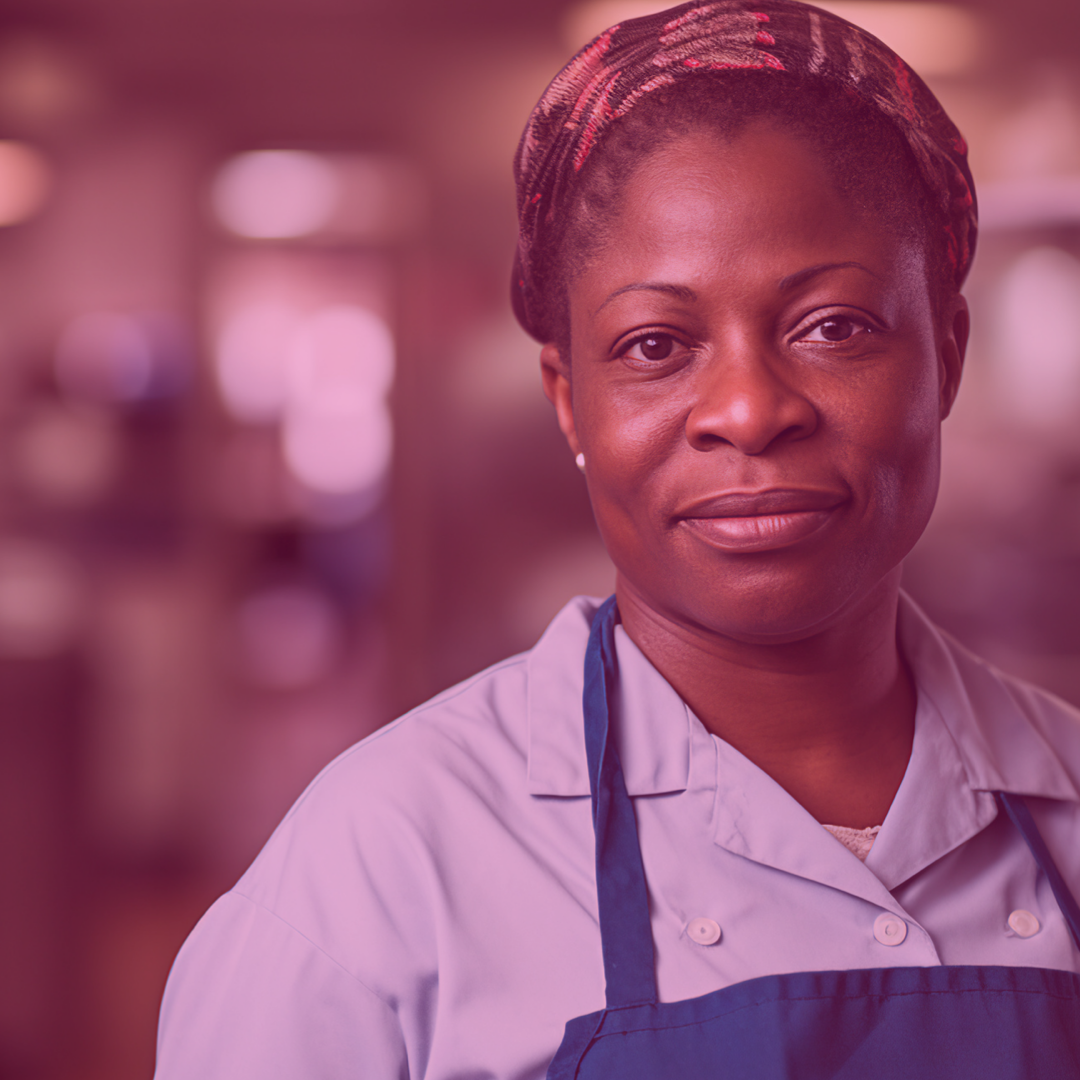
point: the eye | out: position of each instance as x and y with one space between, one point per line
651 347
835 328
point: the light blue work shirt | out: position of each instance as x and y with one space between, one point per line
428 906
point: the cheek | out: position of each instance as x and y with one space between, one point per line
904 445
627 436
629 445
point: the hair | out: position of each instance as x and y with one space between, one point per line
866 156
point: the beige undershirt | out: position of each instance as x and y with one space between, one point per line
857 841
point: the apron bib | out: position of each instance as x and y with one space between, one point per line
896 1023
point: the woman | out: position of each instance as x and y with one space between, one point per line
822 839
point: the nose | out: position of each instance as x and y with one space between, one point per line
746 400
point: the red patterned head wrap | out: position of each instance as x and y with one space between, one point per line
617 69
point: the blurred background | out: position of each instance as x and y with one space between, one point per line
274 460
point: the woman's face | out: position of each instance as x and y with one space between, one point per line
757 386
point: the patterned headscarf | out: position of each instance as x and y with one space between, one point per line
617 69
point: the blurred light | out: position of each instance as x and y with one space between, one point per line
276 194
342 358
108 357
289 637
337 436
40 602
338 453
287 194
253 360
325 377
935 39
25 182
67 455
1038 337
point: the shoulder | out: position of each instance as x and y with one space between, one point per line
381 827
373 811
476 733
481 721
415 857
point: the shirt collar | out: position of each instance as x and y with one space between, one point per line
977 725
654 723
1008 736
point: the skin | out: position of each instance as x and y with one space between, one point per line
758 383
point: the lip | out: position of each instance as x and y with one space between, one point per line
748 521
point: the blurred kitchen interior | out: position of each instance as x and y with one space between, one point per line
274 460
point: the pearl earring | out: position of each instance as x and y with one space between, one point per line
580 462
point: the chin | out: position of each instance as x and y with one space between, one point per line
762 603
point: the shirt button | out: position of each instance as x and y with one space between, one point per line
704 931
889 930
1023 923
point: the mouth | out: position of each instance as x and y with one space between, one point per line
748 521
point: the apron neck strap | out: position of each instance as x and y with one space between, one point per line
625 930
622 896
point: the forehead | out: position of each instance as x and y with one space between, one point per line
755 203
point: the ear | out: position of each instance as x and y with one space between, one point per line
555 372
951 351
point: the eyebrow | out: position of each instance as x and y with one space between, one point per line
685 293
811 271
680 292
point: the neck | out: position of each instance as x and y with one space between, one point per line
829 717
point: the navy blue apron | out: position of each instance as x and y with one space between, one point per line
929 1023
